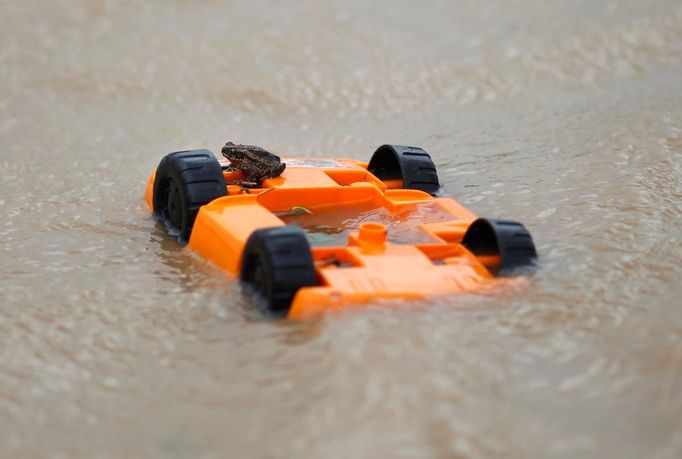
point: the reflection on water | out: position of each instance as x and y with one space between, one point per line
116 342
332 227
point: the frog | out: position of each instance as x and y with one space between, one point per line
254 162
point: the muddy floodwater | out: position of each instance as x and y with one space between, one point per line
566 116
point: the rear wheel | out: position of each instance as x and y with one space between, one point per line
506 239
412 165
276 263
185 181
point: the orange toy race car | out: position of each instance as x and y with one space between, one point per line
332 233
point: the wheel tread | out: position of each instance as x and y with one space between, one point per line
198 176
286 257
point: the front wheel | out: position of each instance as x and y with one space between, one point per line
185 181
276 263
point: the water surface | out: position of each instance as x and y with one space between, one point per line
115 342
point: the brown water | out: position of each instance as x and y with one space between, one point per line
332 227
567 116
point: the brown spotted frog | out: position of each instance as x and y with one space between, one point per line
254 162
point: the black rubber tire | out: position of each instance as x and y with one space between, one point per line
412 165
508 239
276 263
185 181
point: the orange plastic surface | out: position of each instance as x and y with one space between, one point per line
368 267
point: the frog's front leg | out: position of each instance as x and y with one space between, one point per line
230 167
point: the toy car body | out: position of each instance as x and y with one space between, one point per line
378 229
